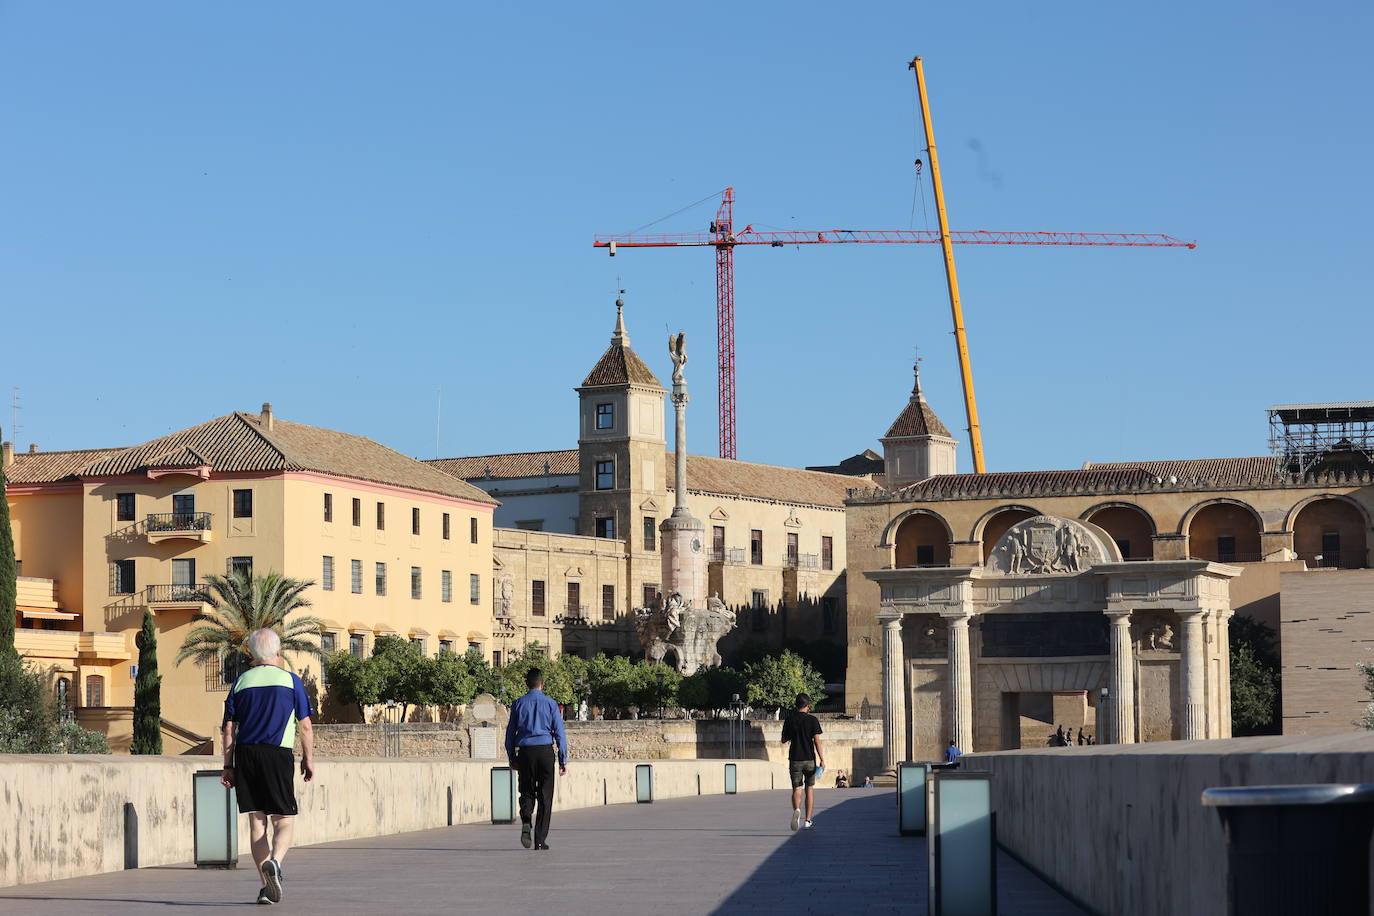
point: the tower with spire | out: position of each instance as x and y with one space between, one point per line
621 459
917 445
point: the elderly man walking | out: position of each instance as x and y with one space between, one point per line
261 714
536 724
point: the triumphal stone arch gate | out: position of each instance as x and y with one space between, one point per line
1053 630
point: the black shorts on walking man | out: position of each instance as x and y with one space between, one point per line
802 732
536 724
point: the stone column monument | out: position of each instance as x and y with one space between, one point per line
1121 686
686 623
1193 661
684 554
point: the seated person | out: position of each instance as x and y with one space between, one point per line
841 781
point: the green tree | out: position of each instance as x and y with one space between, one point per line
557 682
9 608
1254 678
241 603
610 682
452 679
403 675
486 679
653 687
352 681
711 688
575 670
774 681
147 692
27 719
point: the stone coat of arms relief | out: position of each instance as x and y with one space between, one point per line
1046 545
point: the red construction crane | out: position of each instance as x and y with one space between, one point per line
722 237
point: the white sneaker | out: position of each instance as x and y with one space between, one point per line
808 826
796 818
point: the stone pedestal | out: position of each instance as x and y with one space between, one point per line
894 694
1121 686
684 558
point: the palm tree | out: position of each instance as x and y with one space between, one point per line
241 603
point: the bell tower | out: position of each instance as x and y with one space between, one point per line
621 456
917 445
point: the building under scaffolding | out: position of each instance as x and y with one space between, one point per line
1335 438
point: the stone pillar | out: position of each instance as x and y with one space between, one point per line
1121 686
894 694
1223 619
960 684
1192 676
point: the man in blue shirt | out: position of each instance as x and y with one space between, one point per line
535 724
264 709
952 753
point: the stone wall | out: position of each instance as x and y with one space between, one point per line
1121 828
64 814
852 745
1327 627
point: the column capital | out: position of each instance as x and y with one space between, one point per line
1118 614
891 620
956 617
1191 614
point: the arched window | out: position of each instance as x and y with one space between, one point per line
1130 528
1331 532
95 690
998 526
1224 533
921 541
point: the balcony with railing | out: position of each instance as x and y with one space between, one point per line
731 555
167 526
801 561
175 596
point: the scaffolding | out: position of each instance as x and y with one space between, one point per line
1323 437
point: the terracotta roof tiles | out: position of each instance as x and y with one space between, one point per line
620 365
515 464
51 467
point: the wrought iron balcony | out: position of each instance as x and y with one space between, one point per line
801 561
164 526
732 555
180 595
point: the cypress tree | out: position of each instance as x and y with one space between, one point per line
9 610
147 692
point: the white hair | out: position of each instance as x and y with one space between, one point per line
264 645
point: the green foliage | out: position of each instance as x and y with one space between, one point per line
352 681
486 679
711 688
452 680
610 682
9 610
241 603
775 681
28 723
1254 678
397 673
654 686
1367 670
147 737
403 674
558 683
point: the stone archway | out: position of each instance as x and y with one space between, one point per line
1331 531
1037 698
998 522
922 539
1129 526
1225 532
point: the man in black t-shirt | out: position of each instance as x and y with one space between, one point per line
802 731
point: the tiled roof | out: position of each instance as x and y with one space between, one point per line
917 419
763 481
239 442
946 486
866 463
516 464
620 365
50 467
1203 470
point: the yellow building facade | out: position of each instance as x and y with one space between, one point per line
393 546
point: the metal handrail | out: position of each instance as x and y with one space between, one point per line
179 521
801 561
165 594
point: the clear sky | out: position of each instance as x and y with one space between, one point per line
344 207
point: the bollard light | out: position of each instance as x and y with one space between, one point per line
502 795
1296 849
911 798
961 837
731 779
215 818
644 783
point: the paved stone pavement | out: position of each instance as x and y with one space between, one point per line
718 854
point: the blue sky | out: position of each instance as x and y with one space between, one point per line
343 207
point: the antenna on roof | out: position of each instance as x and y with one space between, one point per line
15 407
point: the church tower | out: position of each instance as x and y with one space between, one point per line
622 454
917 445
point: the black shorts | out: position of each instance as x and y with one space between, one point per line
264 779
803 772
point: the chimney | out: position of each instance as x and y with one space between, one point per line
266 417
33 448
6 454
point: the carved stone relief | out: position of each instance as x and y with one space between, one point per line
1047 545
1155 631
929 636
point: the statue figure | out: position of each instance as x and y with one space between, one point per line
1160 636
690 633
677 350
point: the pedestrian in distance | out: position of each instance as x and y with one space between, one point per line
535 725
952 753
264 709
802 732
